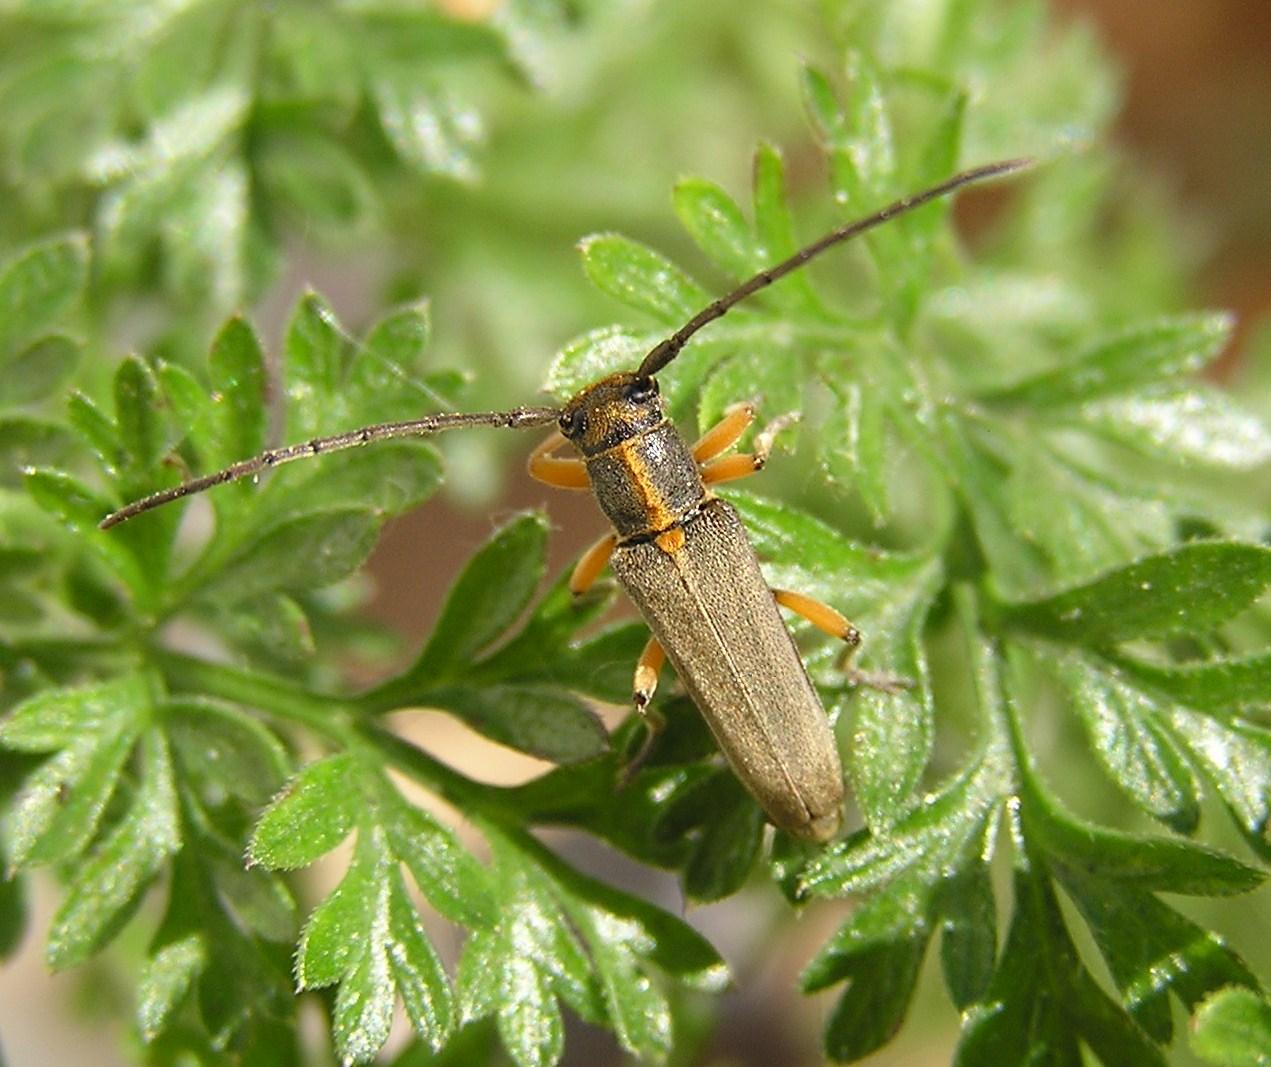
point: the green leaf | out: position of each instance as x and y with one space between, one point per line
363 1010
384 380
864 175
487 597
1152 951
258 902
166 981
1236 757
141 427
534 719
315 177
429 128
60 805
1148 863
559 934
226 749
445 872
864 162
78 786
313 58
314 349
1041 1001
1186 590
859 137
1218 686
206 950
868 1015
13 914
175 63
729 837
890 596
641 278
36 289
968 929
366 935
38 370
65 497
641 820
416 970
1233 1029
1095 529
718 227
236 369
892 732
785 535
273 630
309 818
759 373
57 718
330 942
504 970
390 477
1128 734
108 885
400 339
188 130
1160 350
638 1012
301 553
192 410
941 153
388 954
855 448
664 939
774 227
96 428
207 238
931 840
555 623
596 354
1192 425
927 872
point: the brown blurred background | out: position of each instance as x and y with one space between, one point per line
1197 111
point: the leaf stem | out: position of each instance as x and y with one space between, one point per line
324 714
336 720
471 797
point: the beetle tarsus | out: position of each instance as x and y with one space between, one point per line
654 723
883 681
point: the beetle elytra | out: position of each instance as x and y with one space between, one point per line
680 553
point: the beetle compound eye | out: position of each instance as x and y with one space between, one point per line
573 423
642 390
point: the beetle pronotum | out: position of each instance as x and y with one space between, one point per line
680 553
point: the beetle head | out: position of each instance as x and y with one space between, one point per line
611 411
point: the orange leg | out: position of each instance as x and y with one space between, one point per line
593 561
825 618
650 664
730 468
724 434
644 686
555 471
822 616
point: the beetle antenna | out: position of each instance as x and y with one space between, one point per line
665 351
514 419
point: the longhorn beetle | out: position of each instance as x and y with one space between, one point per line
680 553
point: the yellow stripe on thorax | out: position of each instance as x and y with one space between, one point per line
632 455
